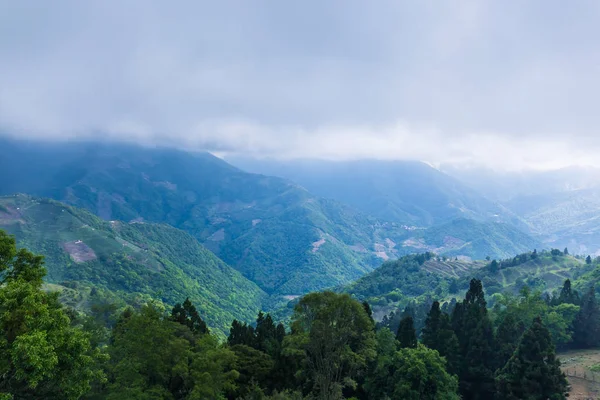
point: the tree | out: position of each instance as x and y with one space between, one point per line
508 334
473 328
254 367
567 294
438 335
155 357
533 372
334 336
187 315
588 260
241 333
566 252
494 267
406 335
379 381
420 374
586 326
41 354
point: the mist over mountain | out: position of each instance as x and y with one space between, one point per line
561 207
407 192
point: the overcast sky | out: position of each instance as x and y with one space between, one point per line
505 83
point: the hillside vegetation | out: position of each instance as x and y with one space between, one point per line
83 252
428 276
276 233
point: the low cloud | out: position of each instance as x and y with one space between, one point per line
505 84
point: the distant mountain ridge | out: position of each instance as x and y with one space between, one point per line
274 231
408 192
561 207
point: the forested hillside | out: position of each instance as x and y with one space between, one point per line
95 261
274 232
422 277
406 192
333 351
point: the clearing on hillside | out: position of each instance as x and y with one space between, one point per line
582 368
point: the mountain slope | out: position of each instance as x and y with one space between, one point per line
147 259
426 275
470 238
561 207
407 192
273 231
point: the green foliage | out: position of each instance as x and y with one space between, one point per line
155 357
438 335
41 354
334 337
533 372
406 336
187 315
474 330
125 261
409 373
420 374
586 324
528 306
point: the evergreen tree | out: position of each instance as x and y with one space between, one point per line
266 334
566 252
567 294
406 336
586 326
368 310
473 328
533 372
494 267
438 335
186 314
588 260
241 333
508 334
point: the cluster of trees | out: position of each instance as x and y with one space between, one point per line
331 351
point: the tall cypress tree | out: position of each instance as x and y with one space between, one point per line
567 294
473 328
406 333
533 372
508 335
438 335
186 314
586 326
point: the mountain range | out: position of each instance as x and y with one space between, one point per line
191 224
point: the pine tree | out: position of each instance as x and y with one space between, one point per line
586 326
533 372
186 314
588 260
567 294
508 334
368 310
438 335
473 328
566 252
406 335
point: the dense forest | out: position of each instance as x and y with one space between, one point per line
332 349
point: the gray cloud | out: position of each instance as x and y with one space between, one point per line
509 84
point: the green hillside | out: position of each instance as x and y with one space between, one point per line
276 233
397 282
470 238
129 259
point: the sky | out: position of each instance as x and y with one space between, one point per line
507 84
